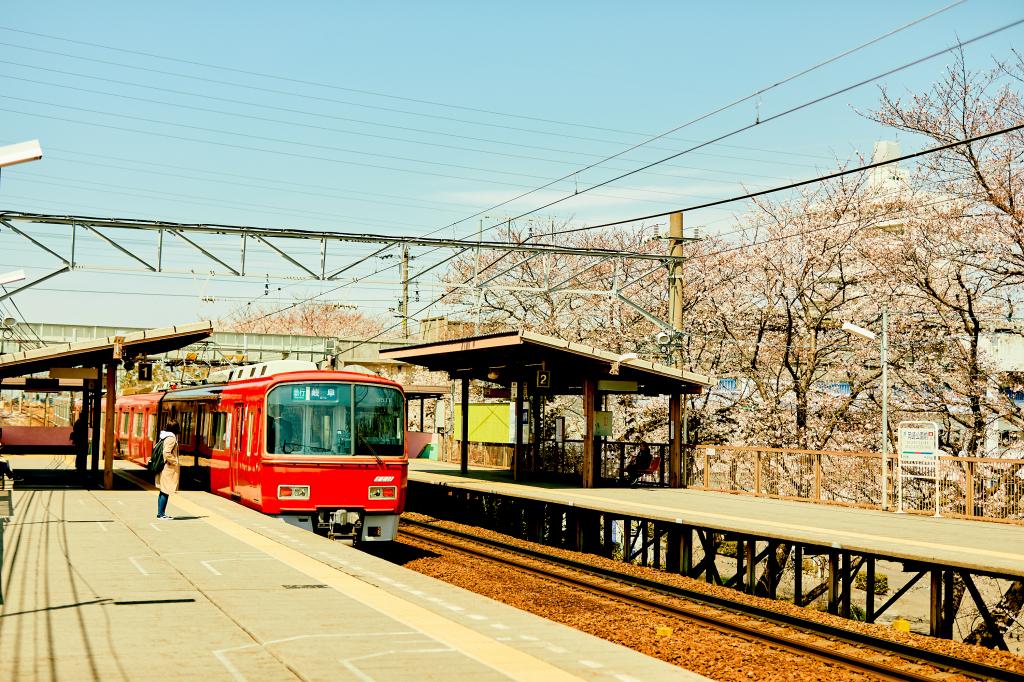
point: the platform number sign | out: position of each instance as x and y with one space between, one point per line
145 371
918 447
543 378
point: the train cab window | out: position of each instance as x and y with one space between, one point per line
310 419
379 421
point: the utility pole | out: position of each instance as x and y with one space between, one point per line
675 281
678 431
405 291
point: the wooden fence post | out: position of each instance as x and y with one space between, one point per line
817 475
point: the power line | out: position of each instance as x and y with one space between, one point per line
381 124
343 131
443 104
808 181
791 110
763 90
314 157
799 107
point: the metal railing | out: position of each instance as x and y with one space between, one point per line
969 487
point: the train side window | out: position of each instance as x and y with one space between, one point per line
152 427
138 425
124 423
205 419
219 429
186 421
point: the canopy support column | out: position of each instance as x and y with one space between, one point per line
590 464
464 443
108 427
518 468
675 442
94 417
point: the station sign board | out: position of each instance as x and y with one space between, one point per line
918 450
918 438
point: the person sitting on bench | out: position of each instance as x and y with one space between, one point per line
640 464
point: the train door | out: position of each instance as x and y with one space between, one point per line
255 445
239 448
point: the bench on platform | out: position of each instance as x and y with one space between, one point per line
648 476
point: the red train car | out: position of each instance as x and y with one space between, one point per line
321 449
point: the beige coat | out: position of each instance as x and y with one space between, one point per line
167 479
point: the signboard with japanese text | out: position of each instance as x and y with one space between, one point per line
918 457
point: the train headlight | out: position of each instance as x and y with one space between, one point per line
383 492
293 492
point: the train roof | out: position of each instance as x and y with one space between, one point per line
312 376
192 393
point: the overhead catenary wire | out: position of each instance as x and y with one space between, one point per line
765 89
589 189
692 258
789 111
392 126
757 93
334 86
759 121
806 181
361 134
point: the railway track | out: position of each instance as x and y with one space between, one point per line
872 655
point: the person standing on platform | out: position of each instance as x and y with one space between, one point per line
80 440
167 478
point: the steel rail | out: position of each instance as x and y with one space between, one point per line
877 644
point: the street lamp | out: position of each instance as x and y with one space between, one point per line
23 152
11 277
884 361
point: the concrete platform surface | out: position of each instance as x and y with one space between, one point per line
97 588
981 546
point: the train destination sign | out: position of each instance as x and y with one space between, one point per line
315 392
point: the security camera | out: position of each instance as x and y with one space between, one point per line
663 338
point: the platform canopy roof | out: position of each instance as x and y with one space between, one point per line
96 352
418 391
516 356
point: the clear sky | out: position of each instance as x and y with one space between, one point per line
405 117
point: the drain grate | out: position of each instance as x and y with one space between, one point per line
137 602
302 587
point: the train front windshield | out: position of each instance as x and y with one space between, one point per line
335 419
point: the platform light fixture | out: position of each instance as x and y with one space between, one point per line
858 330
23 152
11 277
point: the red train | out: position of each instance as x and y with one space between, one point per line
320 449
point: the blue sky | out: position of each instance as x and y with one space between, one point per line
407 118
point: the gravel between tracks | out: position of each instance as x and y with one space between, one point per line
695 647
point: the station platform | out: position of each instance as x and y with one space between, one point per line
97 588
981 547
